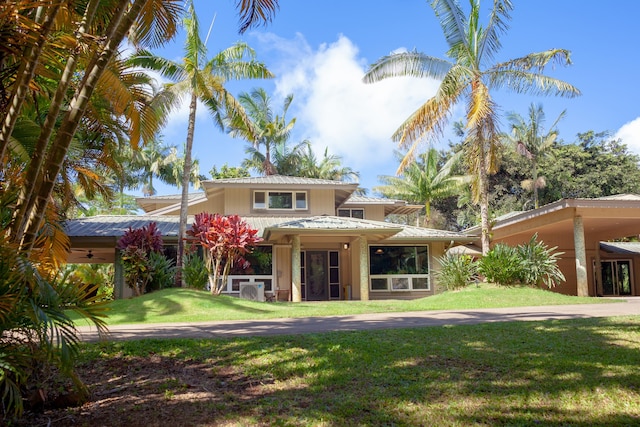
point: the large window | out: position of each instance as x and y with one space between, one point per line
260 269
282 200
399 268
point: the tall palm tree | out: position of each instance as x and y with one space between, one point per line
469 76
423 181
199 78
263 127
529 140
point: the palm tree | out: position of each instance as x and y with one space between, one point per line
328 167
199 78
528 140
470 75
423 182
153 21
263 127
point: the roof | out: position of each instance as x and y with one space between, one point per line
629 248
117 225
267 226
391 206
277 180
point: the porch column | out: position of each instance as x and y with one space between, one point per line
364 268
581 257
296 279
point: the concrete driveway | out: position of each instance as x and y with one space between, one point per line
628 306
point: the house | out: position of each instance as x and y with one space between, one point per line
585 230
321 241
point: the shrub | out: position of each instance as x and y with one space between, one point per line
163 272
456 271
194 271
531 264
540 264
136 246
502 265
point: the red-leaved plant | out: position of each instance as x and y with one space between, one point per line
136 246
225 240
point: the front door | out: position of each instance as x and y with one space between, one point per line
317 279
616 277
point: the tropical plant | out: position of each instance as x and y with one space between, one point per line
163 272
540 264
528 140
199 78
225 240
260 126
195 271
328 167
136 246
468 76
36 331
456 271
502 265
423 182
227 171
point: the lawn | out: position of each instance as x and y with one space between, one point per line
553 373
186 305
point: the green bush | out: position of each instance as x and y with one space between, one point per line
456 271
163 272
194 272
530 264
540 264
502 265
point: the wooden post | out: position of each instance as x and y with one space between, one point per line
364 268
296 279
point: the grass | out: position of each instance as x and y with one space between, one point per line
186 305
553 373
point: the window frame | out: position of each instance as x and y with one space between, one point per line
350 212
264 205
392 281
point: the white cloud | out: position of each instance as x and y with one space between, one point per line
335 109
629 133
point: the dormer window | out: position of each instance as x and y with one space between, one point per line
280 200
353 213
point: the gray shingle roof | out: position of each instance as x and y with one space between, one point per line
276 179
116 225
632 248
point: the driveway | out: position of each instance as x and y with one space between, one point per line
225 329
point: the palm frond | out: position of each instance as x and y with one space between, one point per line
412 64
253 12
452 21
497 26
157 23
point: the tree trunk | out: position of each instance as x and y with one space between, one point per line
45 182
483 189
186 174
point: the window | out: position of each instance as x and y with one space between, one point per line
399 268
259 269
352 213
284 200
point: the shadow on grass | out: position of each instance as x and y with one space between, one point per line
580 372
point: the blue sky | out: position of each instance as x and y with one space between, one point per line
320 49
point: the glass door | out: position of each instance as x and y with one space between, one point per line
616 277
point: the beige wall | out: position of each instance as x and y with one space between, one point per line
374 213
237 201
322 202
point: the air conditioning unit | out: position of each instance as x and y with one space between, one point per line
253 291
